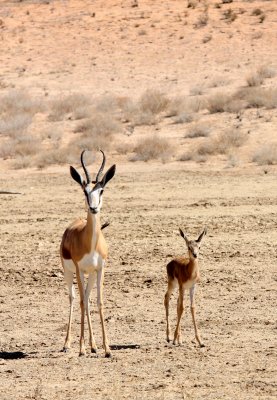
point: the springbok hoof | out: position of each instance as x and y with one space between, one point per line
65 350
108 355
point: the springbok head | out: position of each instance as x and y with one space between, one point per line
193 245
93 194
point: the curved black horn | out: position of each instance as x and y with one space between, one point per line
101 168
85 169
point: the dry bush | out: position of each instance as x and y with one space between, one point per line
266 155
7 149
222 143
153 101
199 129
235 106
19 102
256 12
218 81
147 110
153 147
267 71
107 103
124 148
54 156
14 125
202 20
67 104
218 102
27 145
99 124
196 90
258 97
229 15
23 162
255 79
183 118
229 139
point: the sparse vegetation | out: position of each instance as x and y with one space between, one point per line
229 15
199 129
255 79
152 148
218 102
266 155
62 106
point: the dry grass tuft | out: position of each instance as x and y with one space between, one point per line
14 125
62 106
199 129
255 79
19 102
267 71
222 143
153 148
147 110
256 97
154 102
218 102
266 155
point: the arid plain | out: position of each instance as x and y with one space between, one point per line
197 78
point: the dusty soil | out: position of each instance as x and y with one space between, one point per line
236 298
52 48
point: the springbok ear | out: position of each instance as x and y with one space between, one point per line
183 235
76 176
108 176
201 236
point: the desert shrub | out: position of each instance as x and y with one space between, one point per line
258 97
202 20
27 145
124 148
7 149
229 139
256 12
22 162
235 105
196 90
147 109
153 147
266 155
199 129
218 102
19 102
267 71
229 15
218 81
222 143
107 103
99 124
67 104
54 156
153 101
254 79
183 118
15 124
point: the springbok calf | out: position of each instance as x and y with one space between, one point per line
184 272
83 250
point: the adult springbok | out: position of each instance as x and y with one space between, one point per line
84 251
183 272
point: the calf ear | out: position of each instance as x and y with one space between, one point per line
108 176
201 236
183 235
76 176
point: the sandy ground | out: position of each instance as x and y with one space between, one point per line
58 47
236 298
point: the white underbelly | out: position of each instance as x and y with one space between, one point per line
88 264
